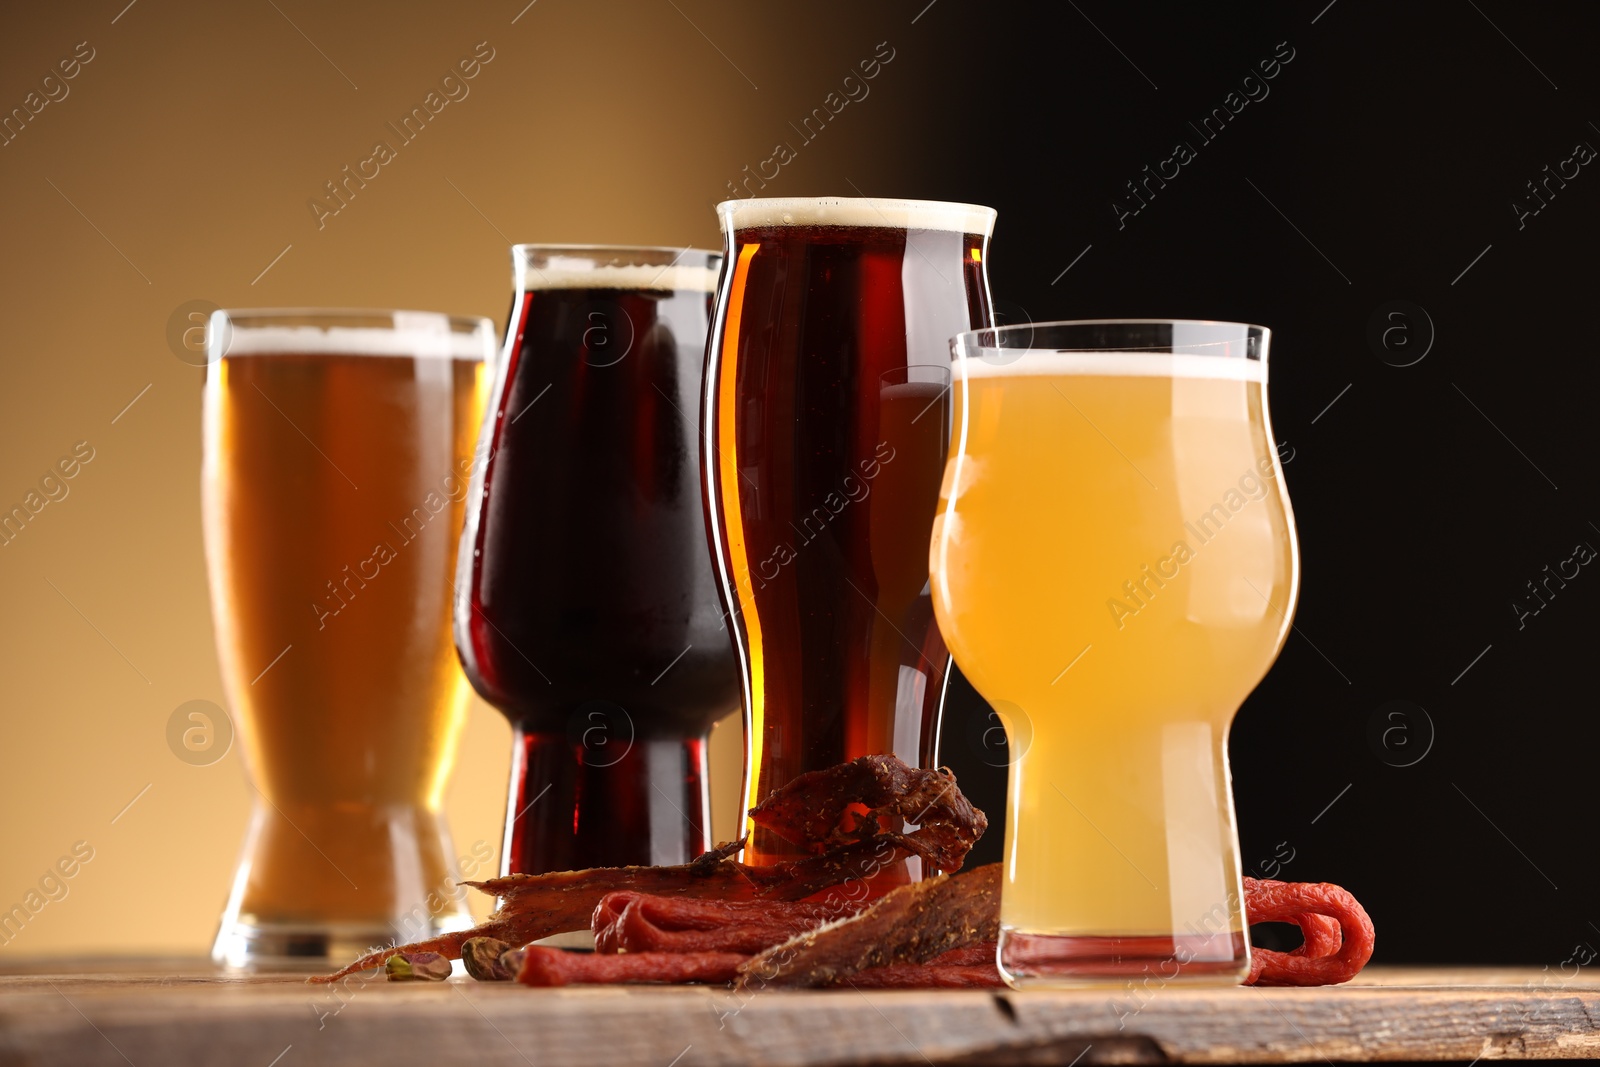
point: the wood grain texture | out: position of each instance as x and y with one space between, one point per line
177 1013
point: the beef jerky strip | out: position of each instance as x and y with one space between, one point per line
972 967
566 903
1267 901
537 965
563 901
969 956
818 812
536 906
641 922
543 966
822 810
911 924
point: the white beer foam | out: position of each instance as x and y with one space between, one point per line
855 211
245 340
564 272
1024 363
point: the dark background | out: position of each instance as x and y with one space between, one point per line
1391 149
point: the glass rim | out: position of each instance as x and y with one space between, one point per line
1016 327
855 212
522 248
415 340
635 268
1192 348
469 322
991 338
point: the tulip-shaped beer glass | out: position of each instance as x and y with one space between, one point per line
1114 567
586 610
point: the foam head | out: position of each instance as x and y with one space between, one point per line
764 212
1042 363
417 334
547 267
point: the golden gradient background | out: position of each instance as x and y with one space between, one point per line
177 167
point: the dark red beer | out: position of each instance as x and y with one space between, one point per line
827 417
586 608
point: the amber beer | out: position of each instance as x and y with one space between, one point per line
1114 567
337 450
827 419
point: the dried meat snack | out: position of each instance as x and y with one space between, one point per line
536 906
1322 935
643 922
1328 957
912 924
973 967
543 966
843 804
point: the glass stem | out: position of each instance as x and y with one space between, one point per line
570 807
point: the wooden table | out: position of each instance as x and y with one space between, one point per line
175 1012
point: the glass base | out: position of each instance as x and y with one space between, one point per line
1032 961
330 883
248 946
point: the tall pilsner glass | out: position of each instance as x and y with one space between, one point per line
1114 567
586 610
827 420
337 453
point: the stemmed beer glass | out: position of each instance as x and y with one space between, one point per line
1114 568
586 610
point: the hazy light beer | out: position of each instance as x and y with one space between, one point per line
827 422
1114 568
586 607
337 451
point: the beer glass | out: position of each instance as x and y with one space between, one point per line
336 452
586 610
827 418
1114 567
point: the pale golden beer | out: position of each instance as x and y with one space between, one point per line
337 453
1114 566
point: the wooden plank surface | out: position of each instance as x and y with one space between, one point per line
180 1013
